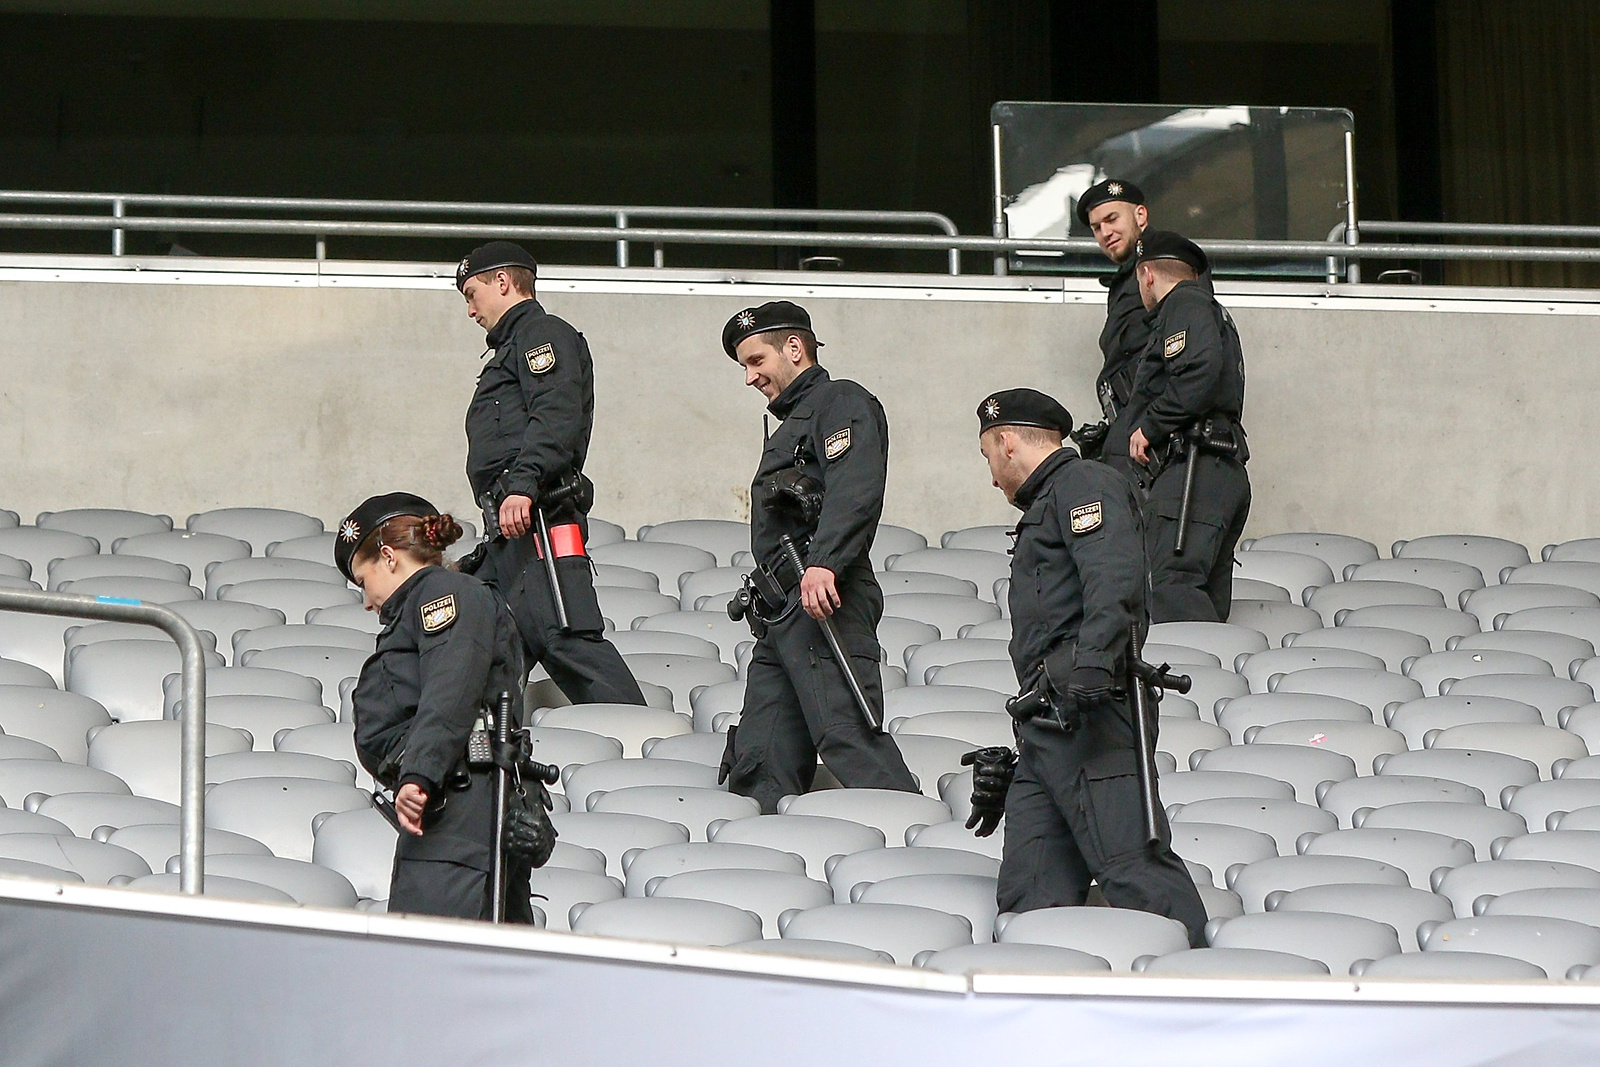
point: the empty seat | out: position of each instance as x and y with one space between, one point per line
350 616
1250 589
14 672
580 782
37 546
945 611
1338 551
1460 966
1465 884
1013 958
158 843
998 676
1333 601
680 921
1293 571
317 548
1578 905
105 525
1116 935
602 532
921 660
1362 742
979 729
1265 709
1536 803
930 759
1178 656
1224 640
1453 580
625 606
848 873
1344 799
226 619
262 717
51 717
305 882
1416 852
1540 745
1492 603
1555 945
643 867
218 887
570 748
716 585
1218 847
681 674
1558 650
1581 622
327 666
1207 685
1230 963
22 748
667 561
914 700
898 582
278 812
901 930
1436 624
977 566
1579 574
955 835
22 821
1337 941
88 813
1186 739
557 890
1305 767
1376 689
888 810
1255 881
1282 820
1550 695
691 806
628 724
1581 847
614 834
224 573
292 596
767 894
120 631
1488 772
300 635
707 702
1433 671
712 626
1187 787
986 538
94 861
815 838
1479 826
228 766
145 755
1260 667
193 550
1401 907
21 777
1417 718
723 538
79 568
359 845
1394 647
1489 555
257 527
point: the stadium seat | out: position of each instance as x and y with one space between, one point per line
1478 826
14 672
602 532
557 890
193 550
901 930
1465 884
22 748
278 812
1188 739
815 838
1230 963
315 548
1433 670
327 666
145 755
681 674
1496 601
766 894
1555 945
1180 656
971 896
158 843
301 635
1273 620
680 921
1013 958
888 810
292 596
924 658
627 724
1338 551
1239 714
1417 718
218 887
1581 622
910 581
1361 741
1247 589
644 866
714 626
256 568
1376 689
1394 647
945 611
359 845
709 701
613 834
931 758
1346 798
1207 685
857 869
1560 651
1254 882
105 525
979 729
350 616
955 835
998 539
701 591
1332 601
1186 787
1580 847
1453 580
1551 696
229 766
997 676
693 806
1224 640
1540 745
1488 772
257 527
87 813
1283 821
580 782
305 882
262 717
1400 907
121 631
1579 574
1488 555
22 821
1336 941
722 538
19 778
38 546
1451 966
94 861
52 717
1416 852
1578 905
914 700
81 568
1116 935
983 569
1293 571
1436 624
225 619
1305 767
669 562
704 748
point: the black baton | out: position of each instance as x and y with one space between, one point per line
549 552
1191 454
1137 671
792 554
502 789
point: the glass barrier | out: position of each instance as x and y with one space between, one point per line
1267 173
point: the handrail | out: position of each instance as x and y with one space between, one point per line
621 214
192 757
1351 235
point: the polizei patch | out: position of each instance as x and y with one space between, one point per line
1086 519
438 614
1174 344
837 444
542 358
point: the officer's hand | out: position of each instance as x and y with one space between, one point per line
818 594
516 515
1139 447
409 803
1090 688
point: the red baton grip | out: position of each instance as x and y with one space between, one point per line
565 541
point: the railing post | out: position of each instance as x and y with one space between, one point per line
999 206
1352 232
322 248
1331 268
622 246
660 256
118 209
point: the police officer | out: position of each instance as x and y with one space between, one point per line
1186 407
448 648
820 481
1114 211
528 433
1073 811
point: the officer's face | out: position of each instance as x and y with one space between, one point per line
997 447
1116 225
771 369
378 577
488 301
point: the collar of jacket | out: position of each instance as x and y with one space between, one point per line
508 322
798 390
1193 283
1029 489
1111 280
397 600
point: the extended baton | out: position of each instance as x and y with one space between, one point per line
1191 455
1143 673
502 789
548 550
792 554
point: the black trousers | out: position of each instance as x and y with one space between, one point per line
797 706
1073 814
446 871
1198 585
586 667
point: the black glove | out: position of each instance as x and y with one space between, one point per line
992 772
1091 688
1091 438
725 768
472 562
530 836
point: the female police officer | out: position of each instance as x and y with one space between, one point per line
448 648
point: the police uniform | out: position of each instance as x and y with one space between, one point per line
528 430
1073 812
1191 384
1126 334
834 438
447 649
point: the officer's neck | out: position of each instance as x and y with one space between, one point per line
798 387
508 319
1046 461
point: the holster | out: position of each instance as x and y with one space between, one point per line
1216 434
763 601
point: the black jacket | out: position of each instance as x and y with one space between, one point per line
448 648
1193 367
533 410
1123 341
1078 573
837 433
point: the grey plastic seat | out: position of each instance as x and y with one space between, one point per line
766 894
359 845
1418 853
1555 945
1346 798
257 527
1434 670
1581 622
888 810
327 666
1558 650
193 550
1180 656
684 922
1281 874
1478 826
1304 767
1417 718
999 629
669 562
1550 695
229 766
1540 745
278 812
577 858
899 636
836 951
613 834
624 606
945 611
645 866
14 672
997 676
105 525
262 717
1376 689
1583 548
11 567
955 835
681 674
708 702
149 590
979 729
1458 966
316 548
909 581
1331 601
158 843
580 782
1207 685
1187 739
723 538
226 619
1577 905
640 641
1258 669
1489 555
1579 574
846 873
1580 847
245 681
1013 958
1337 941
1394 647
602 532
1536 803
717 585
1230 963
1293 571
921 660
970 896
901 930
557 890
693 806
37 546
986 538
300 635
86 813
1338 551
977 566
571 748
1362 742
628 724
1465 884
80 568
1452 579
1402 908
1436 624
349 616
1238 715
1282 820
219 887
120 631
23 821
1217 847
21 777
234 572
914 700
292 596
1186 787
94 861
12 747
931 759
1488 772
1116 935
1491 603
707 749
1248 589
305 882
145 755
1224 640
52 717
815 838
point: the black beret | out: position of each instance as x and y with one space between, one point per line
1105 192
364 520
773 315
1164 244
493 256
1024 407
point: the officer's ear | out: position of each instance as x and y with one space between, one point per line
1141 215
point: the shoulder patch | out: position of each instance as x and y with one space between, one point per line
542 358
837 444
439 614
1086 518
1171 346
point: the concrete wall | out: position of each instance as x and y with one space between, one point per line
1380 412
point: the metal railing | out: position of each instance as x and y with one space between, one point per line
1350 234
192 758
621 217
